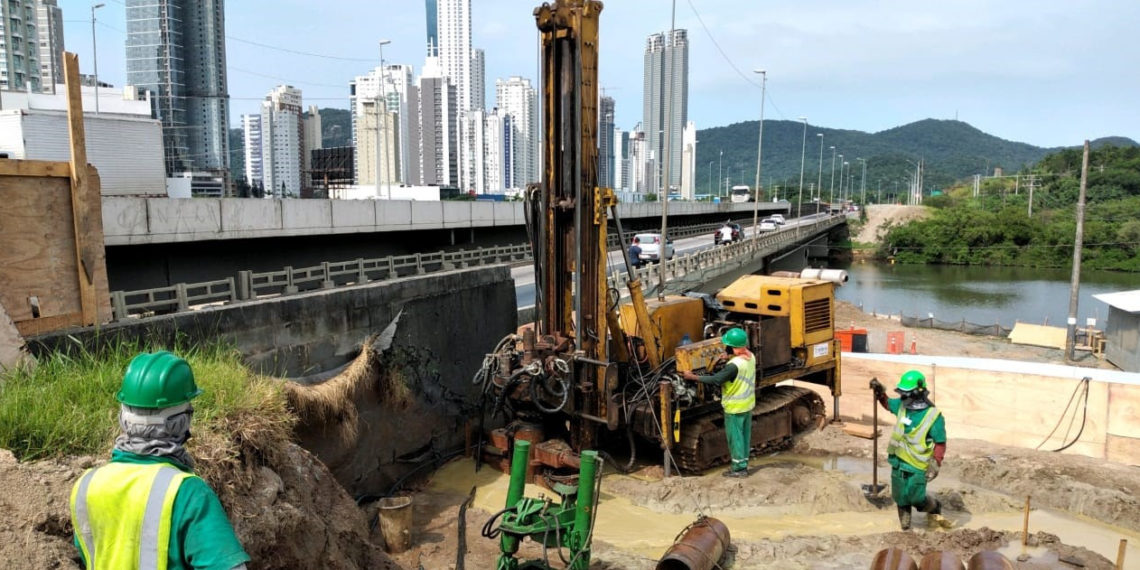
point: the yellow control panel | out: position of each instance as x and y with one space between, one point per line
701 355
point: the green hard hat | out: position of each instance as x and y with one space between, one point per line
911 379
157 380
735 338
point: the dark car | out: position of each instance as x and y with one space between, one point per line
734 231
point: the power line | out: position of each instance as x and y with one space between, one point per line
278 78
298 52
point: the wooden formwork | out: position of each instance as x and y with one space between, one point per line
53 271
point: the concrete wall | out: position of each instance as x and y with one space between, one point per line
1009 403
134 221
449 322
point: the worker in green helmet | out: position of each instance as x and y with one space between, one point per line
737 381
146 509
917 447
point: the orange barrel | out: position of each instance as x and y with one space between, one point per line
939 560
699 547
893 559
989 560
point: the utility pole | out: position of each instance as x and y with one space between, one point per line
819 179
803 154
831 200
663 248
1075 285
759 152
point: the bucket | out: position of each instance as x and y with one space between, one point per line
396 523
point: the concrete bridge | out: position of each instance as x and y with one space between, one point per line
157 242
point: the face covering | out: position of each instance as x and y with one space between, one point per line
161 433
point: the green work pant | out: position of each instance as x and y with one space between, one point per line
738 429
908 488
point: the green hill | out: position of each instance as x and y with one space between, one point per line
952 150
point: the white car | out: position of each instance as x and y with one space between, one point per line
767 225
777 218
650 245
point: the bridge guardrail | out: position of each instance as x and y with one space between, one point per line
289 280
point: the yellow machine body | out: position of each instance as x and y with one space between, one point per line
806 303
699 356
671 320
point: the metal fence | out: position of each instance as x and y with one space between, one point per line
290 280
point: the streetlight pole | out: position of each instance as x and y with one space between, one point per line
381 114
844 183
841 163
819 179
863 182
831 199
759 151
710 177
95 54
803 155
720 173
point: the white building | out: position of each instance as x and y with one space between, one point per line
639 163
282 144
251 135
449 35
497 150
689 161
665 103
392 82
49 27
621 160
516 97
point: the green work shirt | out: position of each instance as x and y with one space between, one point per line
937 431
726 374
201 536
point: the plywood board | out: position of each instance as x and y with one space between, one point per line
1124 410
860 430
39 257
1038 335
1124 450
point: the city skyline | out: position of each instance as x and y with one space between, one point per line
863 68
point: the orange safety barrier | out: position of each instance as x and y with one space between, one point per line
895 342
847 338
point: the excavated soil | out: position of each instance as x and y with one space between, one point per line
879 217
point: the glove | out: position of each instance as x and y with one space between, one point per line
932 470
877 386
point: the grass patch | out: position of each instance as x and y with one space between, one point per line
66 406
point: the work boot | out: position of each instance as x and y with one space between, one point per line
735 473
904 517
933 509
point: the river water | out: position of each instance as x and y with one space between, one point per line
980 295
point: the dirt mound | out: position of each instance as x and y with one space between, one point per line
881 216
287 515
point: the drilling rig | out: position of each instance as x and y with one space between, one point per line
593 370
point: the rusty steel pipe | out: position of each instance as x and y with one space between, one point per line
989 560
699 547
893 559
941 560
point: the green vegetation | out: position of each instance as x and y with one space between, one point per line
995 228
66 405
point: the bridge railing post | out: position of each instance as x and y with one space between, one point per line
361 276
419 264
327 282
180 296
290 288
118 305
244 284
392 267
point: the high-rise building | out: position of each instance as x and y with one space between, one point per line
313 140
282 142
478 79
606 142
449 36
640 163
515 97
474 133
689 161
621 159
49 27
251 135
497 138
177 50
665 103
433 102
391 82
19 46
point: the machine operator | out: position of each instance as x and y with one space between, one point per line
737 381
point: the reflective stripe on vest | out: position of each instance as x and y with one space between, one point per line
913 448
123 513
739 395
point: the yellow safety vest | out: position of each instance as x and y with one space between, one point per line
122 515
738 396
913 448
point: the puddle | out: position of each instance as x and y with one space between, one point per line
840 463
645 532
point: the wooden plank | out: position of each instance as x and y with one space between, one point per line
38 257
47 324
81 220
860 430
1124 450
94 241
1124 410
35 168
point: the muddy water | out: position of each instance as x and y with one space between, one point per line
637 529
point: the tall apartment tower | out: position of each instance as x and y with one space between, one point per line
177 50
391 82
606 142
313 141
516 97
689 161
19 46
433 101
49 26
666 90
478 79
282 142
449 39
621 159
251 135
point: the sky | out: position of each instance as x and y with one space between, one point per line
1044 72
